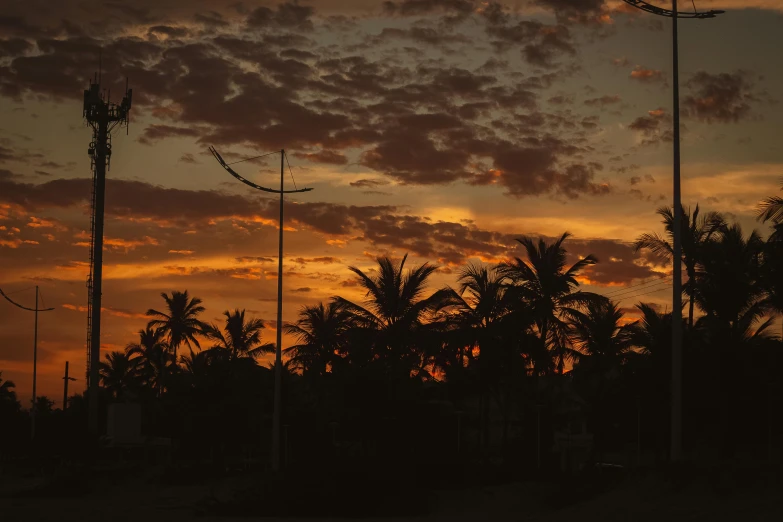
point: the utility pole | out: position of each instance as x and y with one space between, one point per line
102 115
33 406
65 387
276 413
676 384
34 409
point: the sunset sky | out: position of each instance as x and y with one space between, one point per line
439 128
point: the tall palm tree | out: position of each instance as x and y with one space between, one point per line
649 371
323 333
180 321
729 289
602 341
152 358
118 374
396 313
480 308
239 339
771 209
603 346
549 286
696 232
499 328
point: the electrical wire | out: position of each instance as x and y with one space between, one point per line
254 157
647 293
638 288
626 295
18 291
289 170
638 285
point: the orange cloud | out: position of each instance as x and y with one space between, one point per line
16 243
647 75
46 223
112 243
117 312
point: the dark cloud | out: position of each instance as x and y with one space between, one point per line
720 98
248 259
14 47
422 35
655 127
422 123
211 19
288 15
541 44
325 260
168 31
369 183
572 5
421 7
603 101
618 262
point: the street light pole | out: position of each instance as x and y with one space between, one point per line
276 414
676 384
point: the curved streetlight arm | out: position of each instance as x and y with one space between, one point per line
644 6
24 307
249 183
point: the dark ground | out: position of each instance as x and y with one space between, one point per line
150 495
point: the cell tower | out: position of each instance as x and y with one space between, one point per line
103 116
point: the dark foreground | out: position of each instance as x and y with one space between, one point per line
156 494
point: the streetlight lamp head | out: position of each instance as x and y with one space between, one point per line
660 11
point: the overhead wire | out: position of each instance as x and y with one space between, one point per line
21 290
254 157
646 293
289 170
655 279
633 293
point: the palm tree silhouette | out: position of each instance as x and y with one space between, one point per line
181 323
550 287
7 393
600 339
603 346
771 209
729 290
395 313
239 339
152 358
696 232
323 334
118 374
481 309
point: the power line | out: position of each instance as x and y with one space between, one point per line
642 283
254 157
19 291
646 293
637 288
289 169
627 296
